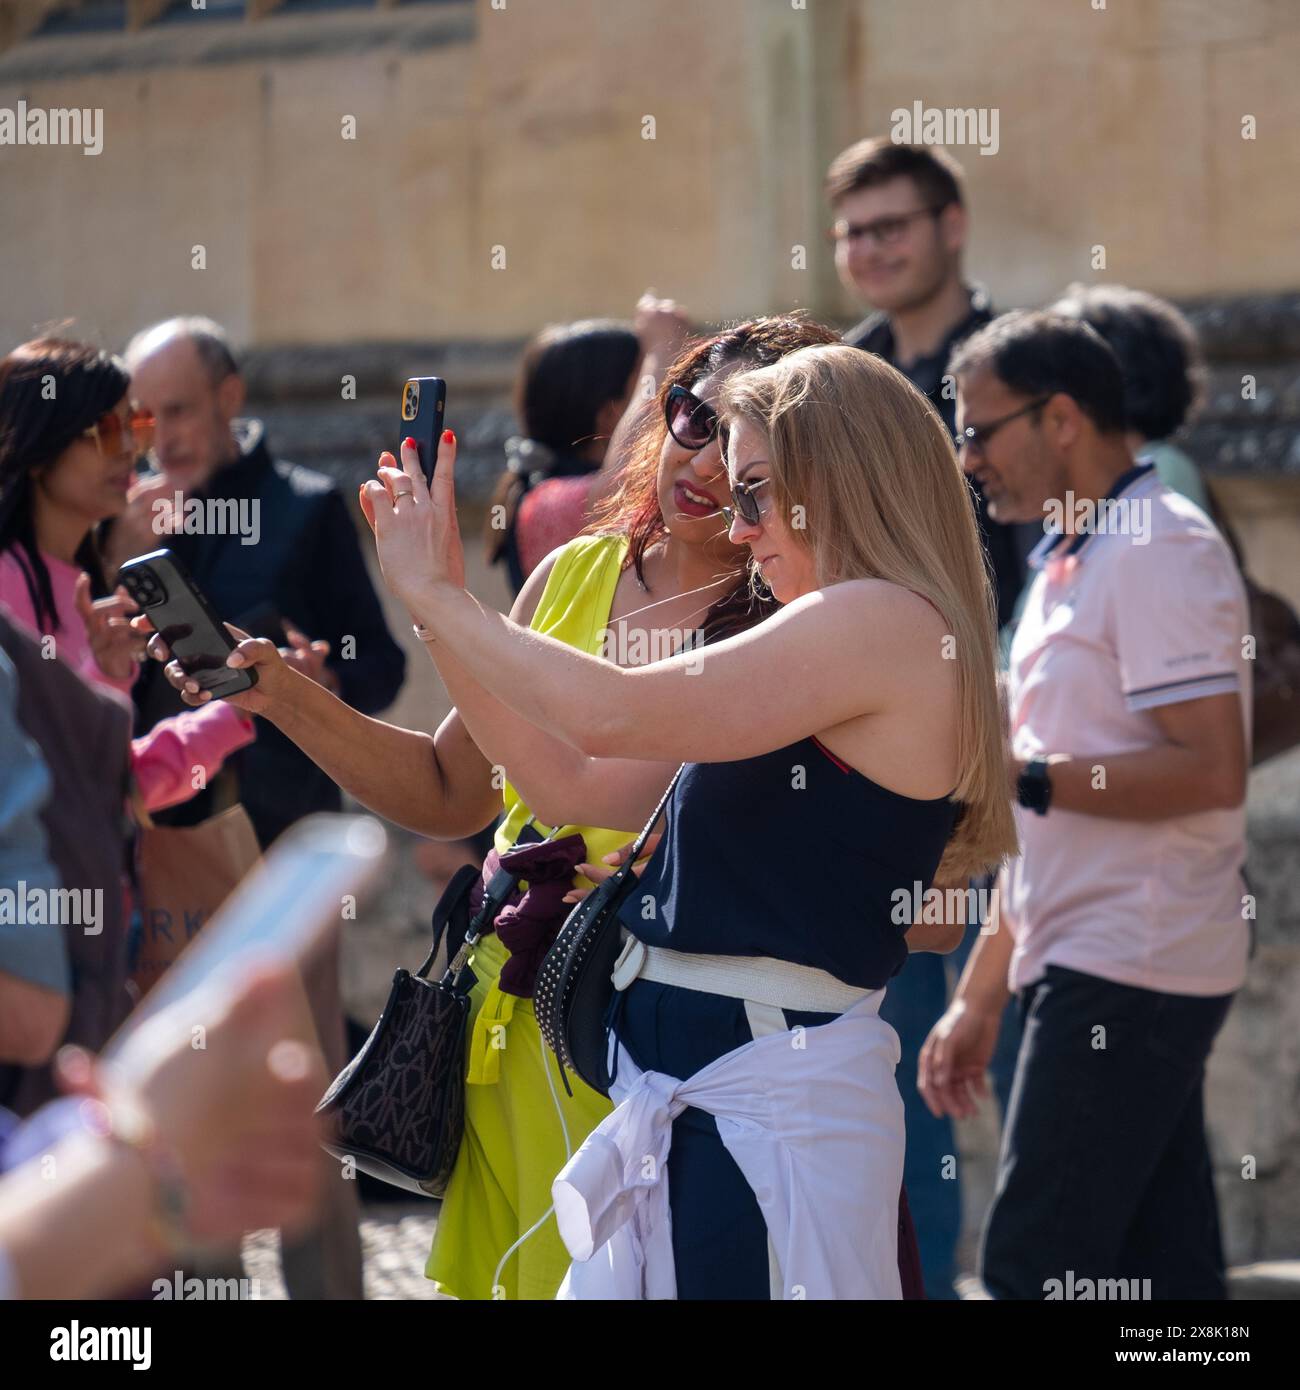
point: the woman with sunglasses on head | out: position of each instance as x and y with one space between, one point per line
657 570
69 438
843 752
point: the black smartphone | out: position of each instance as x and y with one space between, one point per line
183 617
424 398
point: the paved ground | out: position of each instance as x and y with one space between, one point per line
394 1245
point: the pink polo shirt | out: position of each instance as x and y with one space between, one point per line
1116 624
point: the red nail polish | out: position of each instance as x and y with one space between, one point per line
448 437
409 440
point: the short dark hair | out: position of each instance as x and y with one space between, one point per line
1158 353
1037 353
871 162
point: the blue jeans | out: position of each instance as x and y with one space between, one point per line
914 1001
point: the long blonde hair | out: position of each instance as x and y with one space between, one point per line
867 462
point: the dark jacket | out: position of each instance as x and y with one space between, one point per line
1003 544
84 736
306 566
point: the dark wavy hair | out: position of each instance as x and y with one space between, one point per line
567 373
1159 355
52 390
633 508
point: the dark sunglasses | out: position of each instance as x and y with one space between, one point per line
746 504
693 423
977 436
117 434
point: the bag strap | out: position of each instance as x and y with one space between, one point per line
639 843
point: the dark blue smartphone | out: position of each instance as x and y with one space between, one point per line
424 398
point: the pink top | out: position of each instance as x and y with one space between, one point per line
550 515
1149 613
165 759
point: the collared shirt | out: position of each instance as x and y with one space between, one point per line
876 334
813 1120
1146 609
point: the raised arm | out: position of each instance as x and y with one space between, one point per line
854 648
561 785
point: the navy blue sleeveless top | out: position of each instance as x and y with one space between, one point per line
795 855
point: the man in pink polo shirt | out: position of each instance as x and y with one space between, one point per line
1126 932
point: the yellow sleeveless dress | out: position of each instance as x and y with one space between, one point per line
515 1141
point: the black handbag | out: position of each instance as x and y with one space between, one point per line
574 985
397 1110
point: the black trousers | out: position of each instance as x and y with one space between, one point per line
1104 1170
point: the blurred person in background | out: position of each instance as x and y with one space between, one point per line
302 580
69 436
1164 375
35 982
576 383
1122 930
63 788
900 231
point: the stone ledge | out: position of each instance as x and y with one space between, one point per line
405 29
1258 327
295 373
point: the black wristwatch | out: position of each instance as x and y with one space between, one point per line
1033 789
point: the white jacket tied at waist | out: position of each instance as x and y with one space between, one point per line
813 1120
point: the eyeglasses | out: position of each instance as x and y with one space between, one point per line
747 507
885 231
693 423
977 436
117 434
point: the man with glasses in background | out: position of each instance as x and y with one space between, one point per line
1124 929
899 231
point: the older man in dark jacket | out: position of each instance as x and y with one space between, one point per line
272 546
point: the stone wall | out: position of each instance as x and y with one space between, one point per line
1254 1075
522 128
